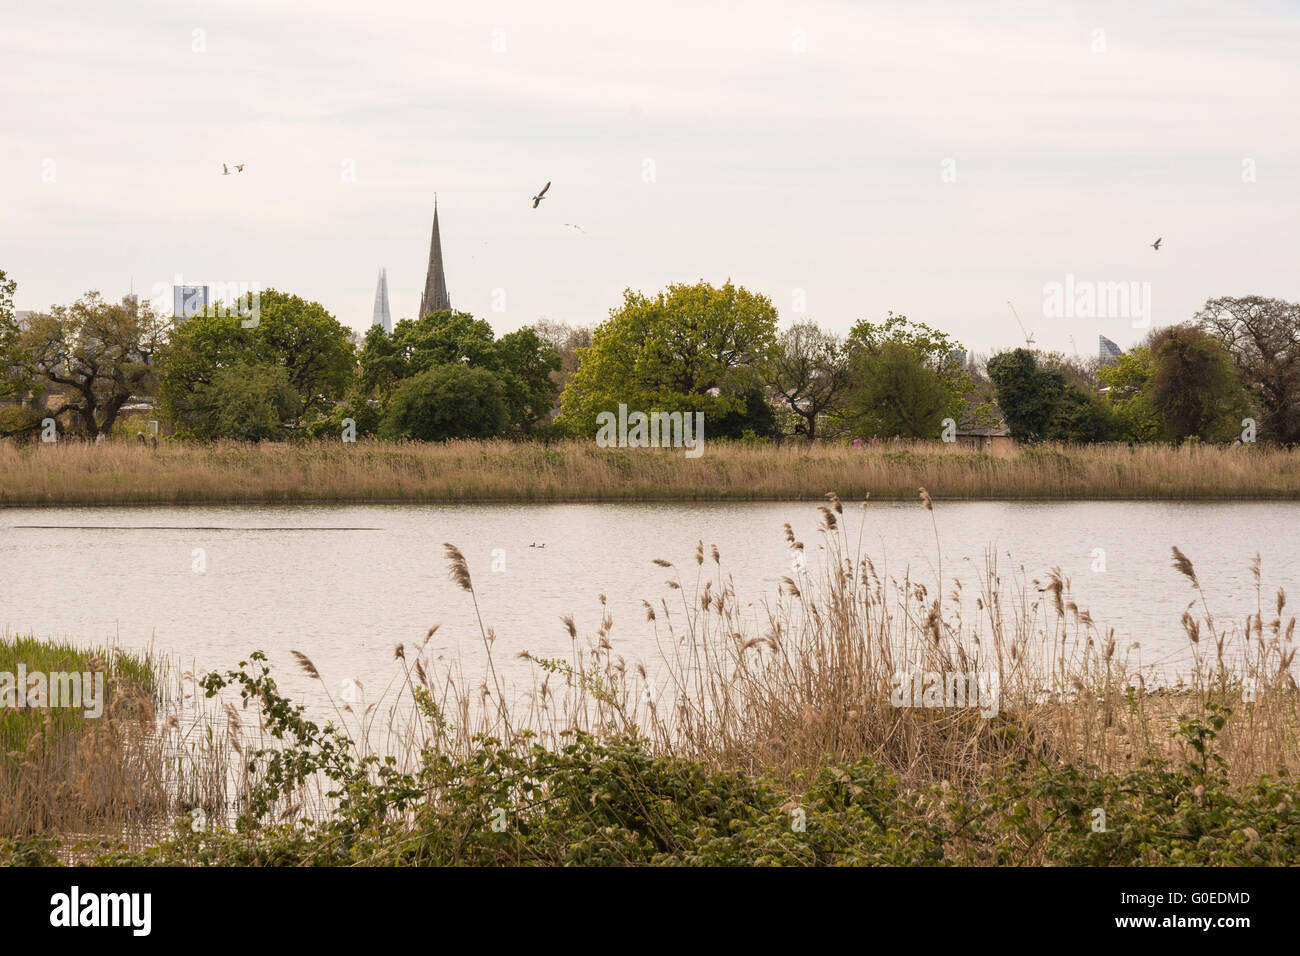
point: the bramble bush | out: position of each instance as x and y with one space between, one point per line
612 802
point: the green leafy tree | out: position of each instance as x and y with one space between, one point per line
1046 402
932 349
1027 395
898 393
242 402
522 361
526 362
1128 381
312 346
688 348
364 412
934 345
415 346
301 337
1195 386
196 350
1083 415
754 418
97 354
447 401
7 288
17 379
383 362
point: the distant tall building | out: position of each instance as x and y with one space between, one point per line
189 300
382 315
434 298
1107 351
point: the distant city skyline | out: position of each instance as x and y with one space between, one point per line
843 160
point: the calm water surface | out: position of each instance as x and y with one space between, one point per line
344 584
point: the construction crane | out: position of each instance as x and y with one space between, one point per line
1029 339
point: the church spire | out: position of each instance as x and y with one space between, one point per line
434 298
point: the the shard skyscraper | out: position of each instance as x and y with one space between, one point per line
382 315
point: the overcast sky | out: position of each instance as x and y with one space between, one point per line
788 146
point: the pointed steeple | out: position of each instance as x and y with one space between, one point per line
382 315
434 298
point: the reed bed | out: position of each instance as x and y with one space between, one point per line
807 675
128 772
117 473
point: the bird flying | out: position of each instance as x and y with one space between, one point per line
224 170
577 227
1156 245
239 167
540 196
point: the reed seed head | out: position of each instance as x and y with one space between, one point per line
1184 566
458 567
305 663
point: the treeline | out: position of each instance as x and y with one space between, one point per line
295 371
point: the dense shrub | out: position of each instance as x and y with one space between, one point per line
612 802
447 401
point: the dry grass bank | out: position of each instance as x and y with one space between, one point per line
118 473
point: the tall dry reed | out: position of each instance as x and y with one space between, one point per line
810 674
124 473
150 758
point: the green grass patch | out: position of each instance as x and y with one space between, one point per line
18 726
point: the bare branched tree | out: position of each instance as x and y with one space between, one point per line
97 354
809 369
1263 336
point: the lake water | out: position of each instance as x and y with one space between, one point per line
344 584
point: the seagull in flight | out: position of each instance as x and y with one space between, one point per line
224 170
1156 245
239 167
540 196
577 227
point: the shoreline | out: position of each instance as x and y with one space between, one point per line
577 472
394 502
